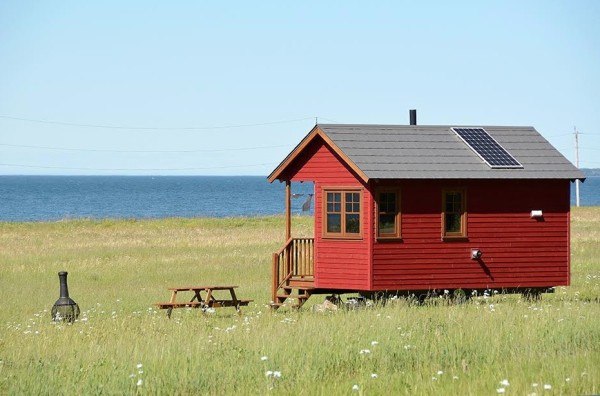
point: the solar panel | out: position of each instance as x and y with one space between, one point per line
487 148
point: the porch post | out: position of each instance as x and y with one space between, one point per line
288 210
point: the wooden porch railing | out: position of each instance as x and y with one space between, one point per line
294 259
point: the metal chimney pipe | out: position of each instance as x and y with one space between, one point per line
64 287
413 117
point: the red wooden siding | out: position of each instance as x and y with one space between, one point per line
517 251
339 264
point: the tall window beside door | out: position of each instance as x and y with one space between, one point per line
342 213
454 214
388 214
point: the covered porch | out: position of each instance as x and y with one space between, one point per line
293 265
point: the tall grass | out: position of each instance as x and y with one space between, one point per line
118 268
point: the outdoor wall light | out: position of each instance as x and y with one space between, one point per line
476 254
537 214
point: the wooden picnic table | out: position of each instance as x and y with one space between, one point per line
199 301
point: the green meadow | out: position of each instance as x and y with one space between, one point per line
122 344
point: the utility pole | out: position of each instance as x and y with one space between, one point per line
576 164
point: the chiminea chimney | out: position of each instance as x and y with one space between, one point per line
413 117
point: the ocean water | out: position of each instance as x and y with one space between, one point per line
48 198
589 192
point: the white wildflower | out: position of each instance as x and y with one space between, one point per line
440 372
504 382
500 390
547 386
131 375
567 379
374 376
264 358
269 373
373 343
455 377
276 374
434 378
364 351
140 382
139 365
535 384
355 387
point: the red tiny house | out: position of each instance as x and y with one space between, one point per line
392 215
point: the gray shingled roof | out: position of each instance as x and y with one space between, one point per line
436 152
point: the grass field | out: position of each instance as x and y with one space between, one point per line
121 344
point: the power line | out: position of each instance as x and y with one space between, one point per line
191 128
136 169
329 119
571 134
139 151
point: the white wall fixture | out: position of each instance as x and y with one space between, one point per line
537 214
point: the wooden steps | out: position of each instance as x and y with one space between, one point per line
285 295
293 272
302 282
300 293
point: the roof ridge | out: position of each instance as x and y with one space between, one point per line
426 126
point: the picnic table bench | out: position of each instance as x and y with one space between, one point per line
200 301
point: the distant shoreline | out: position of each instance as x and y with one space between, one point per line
59 198
88 220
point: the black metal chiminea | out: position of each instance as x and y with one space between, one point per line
64 309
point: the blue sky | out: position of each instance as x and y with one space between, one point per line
170 65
